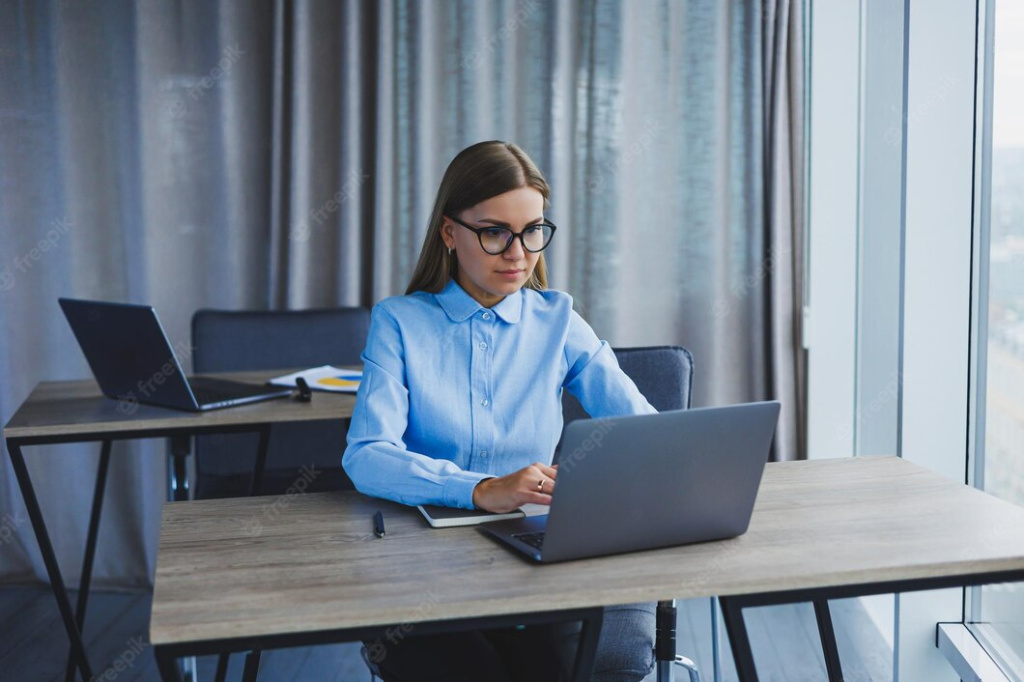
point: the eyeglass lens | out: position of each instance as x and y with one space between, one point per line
497 239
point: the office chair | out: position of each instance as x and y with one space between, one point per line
664 375
227 341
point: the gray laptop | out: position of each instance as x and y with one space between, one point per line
133 361
631 483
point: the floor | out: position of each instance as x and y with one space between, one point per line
33 645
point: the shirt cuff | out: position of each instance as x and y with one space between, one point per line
458 491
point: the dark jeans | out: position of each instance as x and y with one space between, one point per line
537 653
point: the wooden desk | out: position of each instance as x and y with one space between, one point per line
76 411
316 573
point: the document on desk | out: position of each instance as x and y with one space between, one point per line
325 378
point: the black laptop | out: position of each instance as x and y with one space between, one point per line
132 360
653 480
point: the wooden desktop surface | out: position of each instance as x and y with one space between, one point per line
78 408
310 562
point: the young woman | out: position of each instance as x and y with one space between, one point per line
460 402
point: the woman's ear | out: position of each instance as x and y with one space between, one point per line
446 233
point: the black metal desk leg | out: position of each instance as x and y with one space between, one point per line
254 489
168 666
181 447
60 592
742 654
587 648
222 668
90 547
828 640
252 666
261 459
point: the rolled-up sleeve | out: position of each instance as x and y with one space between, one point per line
377 459
595 377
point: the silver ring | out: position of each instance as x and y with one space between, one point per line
540 485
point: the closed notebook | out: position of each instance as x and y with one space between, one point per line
448 517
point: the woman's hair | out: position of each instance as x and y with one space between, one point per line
476 174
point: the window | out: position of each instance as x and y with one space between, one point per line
997 611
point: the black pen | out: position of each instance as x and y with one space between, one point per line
378 524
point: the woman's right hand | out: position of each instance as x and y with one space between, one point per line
534 483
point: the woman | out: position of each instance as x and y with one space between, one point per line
460 402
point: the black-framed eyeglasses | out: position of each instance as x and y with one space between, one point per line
497 240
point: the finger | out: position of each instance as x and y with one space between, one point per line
536 498
550 472
542 484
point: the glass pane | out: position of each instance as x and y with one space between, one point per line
1002 606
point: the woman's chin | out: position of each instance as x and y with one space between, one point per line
509 285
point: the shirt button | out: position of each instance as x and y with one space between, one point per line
487 316
483 345
483 453
485 402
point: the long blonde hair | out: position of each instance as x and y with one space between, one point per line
477 173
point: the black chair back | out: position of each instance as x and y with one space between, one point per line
227 341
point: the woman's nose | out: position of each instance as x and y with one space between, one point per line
515 251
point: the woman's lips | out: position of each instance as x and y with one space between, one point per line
510 274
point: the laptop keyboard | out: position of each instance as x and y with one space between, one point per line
535 540
205 396
212 391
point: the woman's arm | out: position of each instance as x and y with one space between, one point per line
376 458
595 377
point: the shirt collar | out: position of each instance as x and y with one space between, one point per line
460 306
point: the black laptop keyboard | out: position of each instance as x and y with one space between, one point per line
205 396
532 539
209 391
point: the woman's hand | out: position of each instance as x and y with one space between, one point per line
534 483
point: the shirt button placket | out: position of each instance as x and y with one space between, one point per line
484 425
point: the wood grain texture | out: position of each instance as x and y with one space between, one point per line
78 408
305 563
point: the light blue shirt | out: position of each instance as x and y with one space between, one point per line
453 393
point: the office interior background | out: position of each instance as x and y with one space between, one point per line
822 200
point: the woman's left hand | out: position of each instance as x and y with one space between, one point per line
534 483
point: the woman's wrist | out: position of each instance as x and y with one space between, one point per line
478 491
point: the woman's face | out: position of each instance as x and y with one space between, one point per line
485 277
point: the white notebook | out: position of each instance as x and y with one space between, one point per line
448 517
324 378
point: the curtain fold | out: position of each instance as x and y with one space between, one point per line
783 179
279 154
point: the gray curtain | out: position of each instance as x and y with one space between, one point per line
276 154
